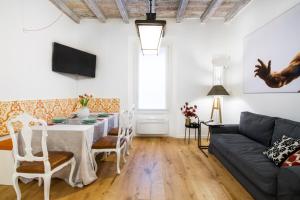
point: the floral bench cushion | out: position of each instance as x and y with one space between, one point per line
47 109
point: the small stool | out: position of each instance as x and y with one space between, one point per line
194 126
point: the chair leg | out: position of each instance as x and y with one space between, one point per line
118 152
189 135
16 186
127 146
126 149
131 139
40 181
47 183
124 153
73 164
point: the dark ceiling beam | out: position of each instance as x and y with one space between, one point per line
181 10
92 5
211 9
123 11
236 9
65 9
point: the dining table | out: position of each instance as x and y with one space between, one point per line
77 137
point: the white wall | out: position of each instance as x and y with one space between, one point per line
192 45
255 15
25 57
109 41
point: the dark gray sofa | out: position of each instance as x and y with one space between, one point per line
240 149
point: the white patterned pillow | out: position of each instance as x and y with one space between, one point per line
282 149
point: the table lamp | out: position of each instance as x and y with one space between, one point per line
216 91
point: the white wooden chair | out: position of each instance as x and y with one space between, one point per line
108 144
40 165
131 125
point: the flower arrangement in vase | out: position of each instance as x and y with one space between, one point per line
84 111
189 112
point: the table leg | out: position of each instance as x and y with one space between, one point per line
189 135
200 146
185 134
199 134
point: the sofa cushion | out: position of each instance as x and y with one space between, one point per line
257 127
286 127
293 160
246 155
282 149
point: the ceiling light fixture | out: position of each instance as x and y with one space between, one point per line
150 32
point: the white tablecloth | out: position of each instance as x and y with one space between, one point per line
77 139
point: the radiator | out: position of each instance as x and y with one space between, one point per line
152 126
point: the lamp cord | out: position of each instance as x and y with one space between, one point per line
44 27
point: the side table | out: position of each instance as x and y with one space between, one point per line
209 124
195 126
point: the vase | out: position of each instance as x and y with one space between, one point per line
188 121
83 112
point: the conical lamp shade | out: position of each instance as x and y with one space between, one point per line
217 90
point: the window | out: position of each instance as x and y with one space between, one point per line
152 81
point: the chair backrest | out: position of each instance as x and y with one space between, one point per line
131 118
122 126
27 122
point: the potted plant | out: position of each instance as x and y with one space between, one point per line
189 112
84 111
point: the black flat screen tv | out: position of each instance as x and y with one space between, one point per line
69 60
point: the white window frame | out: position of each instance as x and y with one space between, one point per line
168 81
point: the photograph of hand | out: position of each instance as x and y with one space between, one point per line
280 78
271 62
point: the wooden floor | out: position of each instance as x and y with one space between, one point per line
157 169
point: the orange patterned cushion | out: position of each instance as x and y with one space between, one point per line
6 145
47 109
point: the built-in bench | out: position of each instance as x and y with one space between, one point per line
7 162
47 109
43 109
6 145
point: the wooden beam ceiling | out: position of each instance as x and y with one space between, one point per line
235 10
211 9
123 11
131 9
65 9
92 5
181 10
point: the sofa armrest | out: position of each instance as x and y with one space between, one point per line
227 128
288 183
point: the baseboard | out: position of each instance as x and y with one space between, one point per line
152 135
167 135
